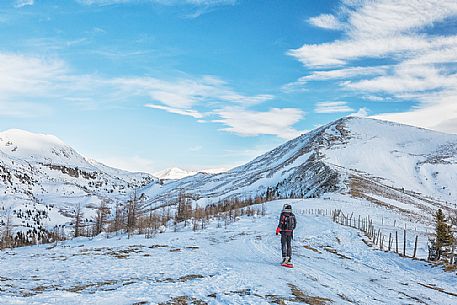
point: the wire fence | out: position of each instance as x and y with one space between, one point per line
396 241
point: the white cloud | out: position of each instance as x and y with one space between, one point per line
204 3
390 17
407 78
341 51
276 121
187 92
332 107
37 75
421 58
377 28
344 73
49 81
186 112
326 21
22 3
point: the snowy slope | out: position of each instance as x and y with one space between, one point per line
41 173
174 173
238 264
411 167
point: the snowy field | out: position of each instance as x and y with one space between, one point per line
237 264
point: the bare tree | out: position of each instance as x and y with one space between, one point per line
100 218
77 221
132 215
6 236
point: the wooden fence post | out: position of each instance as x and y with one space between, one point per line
390 238
404 242
396 241
415 247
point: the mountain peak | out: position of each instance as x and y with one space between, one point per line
174 173
29 139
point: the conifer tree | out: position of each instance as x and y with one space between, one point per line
444 238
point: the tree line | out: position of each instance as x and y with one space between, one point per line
133 218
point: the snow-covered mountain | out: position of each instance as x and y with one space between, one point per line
400 167
41 173
406 168
174 173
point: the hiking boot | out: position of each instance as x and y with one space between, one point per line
287 260
284 259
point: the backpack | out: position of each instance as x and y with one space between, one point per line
287 222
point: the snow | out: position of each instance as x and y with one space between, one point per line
415 168
237 264
410 171
174 173
38 170
399 154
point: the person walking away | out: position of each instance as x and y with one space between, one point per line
286 226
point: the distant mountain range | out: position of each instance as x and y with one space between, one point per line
176 173
409 169
400 167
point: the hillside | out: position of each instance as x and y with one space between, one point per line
410 170
401 167
42 180
233 264
174 173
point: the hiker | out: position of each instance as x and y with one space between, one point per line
286 226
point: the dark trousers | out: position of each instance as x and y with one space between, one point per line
286 239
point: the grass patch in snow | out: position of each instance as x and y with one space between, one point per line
434 287
312 249
183 300
182 279
301 297
158 246
333 251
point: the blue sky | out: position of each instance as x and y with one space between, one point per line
150 84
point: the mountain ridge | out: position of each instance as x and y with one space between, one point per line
352 155
412 170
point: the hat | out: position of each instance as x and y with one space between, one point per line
287 208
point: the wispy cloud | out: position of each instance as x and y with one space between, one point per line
162 2
326 21
22 3
421 61
332 107
343 73
199 7
276 121
186 92
49 81
186 112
